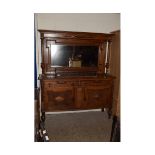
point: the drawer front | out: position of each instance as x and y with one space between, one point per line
76 83
96 83
54 84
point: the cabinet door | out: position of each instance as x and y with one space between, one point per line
60 99
98 97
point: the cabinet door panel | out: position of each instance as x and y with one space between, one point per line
98 97
60 99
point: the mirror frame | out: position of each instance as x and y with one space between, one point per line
49 37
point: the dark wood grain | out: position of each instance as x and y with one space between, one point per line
74 88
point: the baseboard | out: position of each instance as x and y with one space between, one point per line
73 111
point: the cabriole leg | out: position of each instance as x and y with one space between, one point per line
109 113
43 117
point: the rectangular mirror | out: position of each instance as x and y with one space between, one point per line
74 56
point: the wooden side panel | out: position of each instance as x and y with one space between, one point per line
115 70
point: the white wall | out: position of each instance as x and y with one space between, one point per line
84 22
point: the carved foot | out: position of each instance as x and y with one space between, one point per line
109 113
115 131
43 117
104 109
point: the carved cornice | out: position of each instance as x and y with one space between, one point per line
74 35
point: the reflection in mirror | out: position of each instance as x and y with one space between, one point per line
74 56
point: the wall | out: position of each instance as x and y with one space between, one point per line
86 22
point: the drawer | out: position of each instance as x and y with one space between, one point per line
55 84
63 84
96 83
48 85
